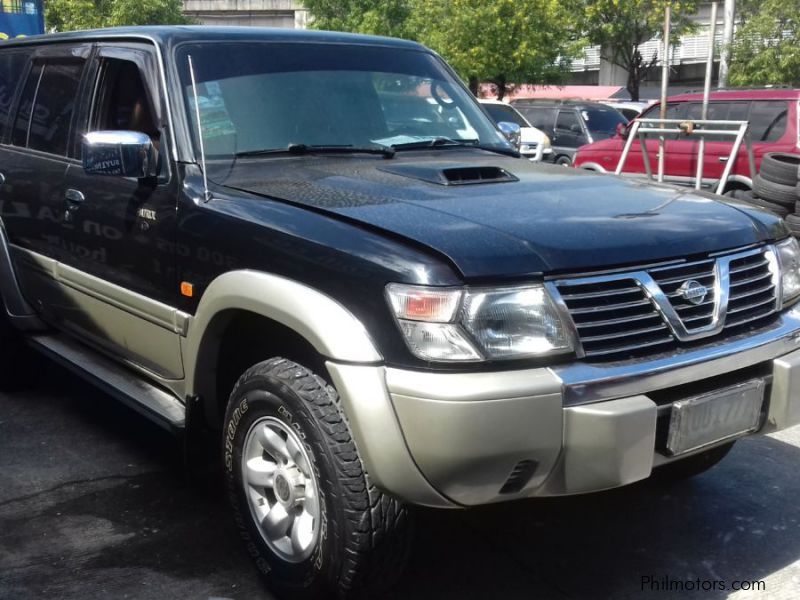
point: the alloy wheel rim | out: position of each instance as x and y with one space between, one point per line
281 489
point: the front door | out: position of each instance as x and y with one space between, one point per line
119 232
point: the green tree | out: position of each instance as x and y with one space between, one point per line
620 27
377 17
70 15
500 41
766 49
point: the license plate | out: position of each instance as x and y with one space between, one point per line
715 416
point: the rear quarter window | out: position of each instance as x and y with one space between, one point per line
768 120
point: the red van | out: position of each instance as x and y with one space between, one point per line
773 116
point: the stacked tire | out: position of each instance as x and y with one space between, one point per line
776 188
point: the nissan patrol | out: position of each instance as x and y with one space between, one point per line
244 231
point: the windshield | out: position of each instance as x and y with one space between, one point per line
503 112
269 96
602 120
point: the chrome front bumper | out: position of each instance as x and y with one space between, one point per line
450 439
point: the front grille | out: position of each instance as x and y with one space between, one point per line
752 292
614 316
647 310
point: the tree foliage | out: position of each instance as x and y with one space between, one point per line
377 17
767 43
70 15
501 41
620 27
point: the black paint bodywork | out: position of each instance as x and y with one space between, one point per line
348 225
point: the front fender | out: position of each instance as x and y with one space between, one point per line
327 325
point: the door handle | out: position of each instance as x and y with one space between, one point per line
74 197
2 179
723 159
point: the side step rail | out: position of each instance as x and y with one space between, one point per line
149 400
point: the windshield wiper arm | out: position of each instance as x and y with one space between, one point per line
444 142
438 142
299 149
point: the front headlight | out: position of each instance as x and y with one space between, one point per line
546 143
789 263
478 324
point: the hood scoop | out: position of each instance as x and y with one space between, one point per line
452 174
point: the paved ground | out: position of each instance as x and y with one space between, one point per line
93 505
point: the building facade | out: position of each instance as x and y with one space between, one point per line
255 13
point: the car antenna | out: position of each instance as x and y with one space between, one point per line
206 192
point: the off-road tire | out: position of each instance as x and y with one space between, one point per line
692 465
780 168
365 535
793 223
777 193
779 209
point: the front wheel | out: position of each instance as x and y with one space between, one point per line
309 516
564 161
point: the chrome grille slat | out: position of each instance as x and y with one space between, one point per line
623 349
607 307
671 280
738 309
590 295
748 293
750 267
620 321
746 280
735 322
621 334
662 315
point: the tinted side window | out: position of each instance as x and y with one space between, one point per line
568 121
768 120
541 118
54 105
11 65
19 136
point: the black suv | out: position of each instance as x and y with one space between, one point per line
246 235
570 124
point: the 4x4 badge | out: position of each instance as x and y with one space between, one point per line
693 291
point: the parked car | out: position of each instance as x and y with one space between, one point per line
570 123
239 233
534 143
773 117
629 109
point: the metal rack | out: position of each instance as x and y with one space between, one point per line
687 128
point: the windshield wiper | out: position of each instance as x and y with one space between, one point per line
299 149
435 143
444 142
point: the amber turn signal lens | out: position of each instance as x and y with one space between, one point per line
187 289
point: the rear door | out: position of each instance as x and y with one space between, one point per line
569 132
36 155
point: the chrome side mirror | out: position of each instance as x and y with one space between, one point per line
119 153
512 132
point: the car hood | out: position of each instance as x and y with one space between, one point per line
544 219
